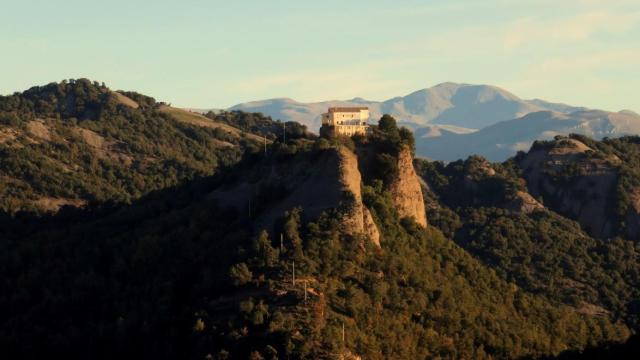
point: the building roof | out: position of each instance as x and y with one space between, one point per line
348 109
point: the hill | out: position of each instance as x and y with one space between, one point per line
538 219
213 269
78 142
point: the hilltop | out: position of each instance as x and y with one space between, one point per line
79 142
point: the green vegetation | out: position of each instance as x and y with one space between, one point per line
542 252
383 144
258 124
79 141
155 268
172 275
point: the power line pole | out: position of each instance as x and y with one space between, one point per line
305 292
293 278
284 131
265 144
343 333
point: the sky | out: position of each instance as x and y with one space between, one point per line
215 54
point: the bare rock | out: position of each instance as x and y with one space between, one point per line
524 203
406 190
573 183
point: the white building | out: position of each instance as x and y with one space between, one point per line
345 121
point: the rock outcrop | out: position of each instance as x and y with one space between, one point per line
524 203
358 219
330 181
406 190
573 183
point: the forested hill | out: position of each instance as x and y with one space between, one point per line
78 142
560 220
186 273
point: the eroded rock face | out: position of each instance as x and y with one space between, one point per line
573 183
358 219
406 190
370 228
331 181
524 203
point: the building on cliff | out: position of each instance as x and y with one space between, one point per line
345 121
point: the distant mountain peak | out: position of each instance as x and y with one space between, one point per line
628 112
358 100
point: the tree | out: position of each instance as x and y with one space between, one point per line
266 253
388 124
292 231
240 274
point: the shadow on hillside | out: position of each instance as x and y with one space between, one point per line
126 215
22 224
628 350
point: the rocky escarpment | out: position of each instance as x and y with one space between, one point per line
406 190
330 180
358 218
573 182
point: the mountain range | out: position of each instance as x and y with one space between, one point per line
499 141
448 117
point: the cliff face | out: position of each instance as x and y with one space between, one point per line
358 219
573 183
330 181
406 190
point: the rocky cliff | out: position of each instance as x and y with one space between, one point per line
406 190
329 180
573 182
358 219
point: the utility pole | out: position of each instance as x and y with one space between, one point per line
265 144
281 244
305 292
343 333
284 131
293 278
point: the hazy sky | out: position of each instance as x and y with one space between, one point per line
219 53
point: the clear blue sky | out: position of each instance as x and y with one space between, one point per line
219 53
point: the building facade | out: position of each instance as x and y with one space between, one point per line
345 121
